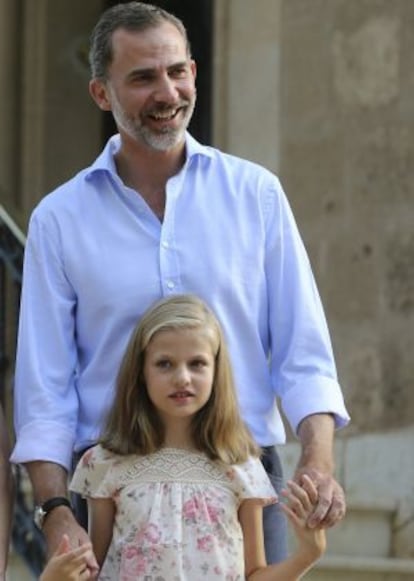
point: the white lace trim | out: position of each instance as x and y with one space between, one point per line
174 465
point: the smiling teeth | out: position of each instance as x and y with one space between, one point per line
164 117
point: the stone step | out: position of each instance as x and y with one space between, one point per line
17 569
341 568
366 531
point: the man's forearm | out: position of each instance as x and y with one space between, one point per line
316 433
48 480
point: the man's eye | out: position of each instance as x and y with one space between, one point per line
179 73
142 78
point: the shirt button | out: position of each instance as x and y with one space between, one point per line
170 284
165 244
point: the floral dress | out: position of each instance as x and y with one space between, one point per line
176 513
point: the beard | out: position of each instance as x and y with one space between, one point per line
161 140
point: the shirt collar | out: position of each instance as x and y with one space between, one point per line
105 161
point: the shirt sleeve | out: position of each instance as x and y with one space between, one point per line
302 362
92 476
251 481
46 403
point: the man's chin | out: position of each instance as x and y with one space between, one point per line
165 141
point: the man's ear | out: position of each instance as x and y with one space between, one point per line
193 67
99 93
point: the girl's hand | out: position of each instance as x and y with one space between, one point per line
68 564
301 501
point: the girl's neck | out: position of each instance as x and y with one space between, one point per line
178 437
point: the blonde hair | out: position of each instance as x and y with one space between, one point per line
133 424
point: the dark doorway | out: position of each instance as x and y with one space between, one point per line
197 16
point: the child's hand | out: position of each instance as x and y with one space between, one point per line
301 501
68 564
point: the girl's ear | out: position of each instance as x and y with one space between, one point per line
100 94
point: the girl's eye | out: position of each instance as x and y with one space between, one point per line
198 363
163 363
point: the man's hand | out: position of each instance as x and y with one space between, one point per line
68 564
331 505
61 522
316 433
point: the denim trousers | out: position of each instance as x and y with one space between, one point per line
274 521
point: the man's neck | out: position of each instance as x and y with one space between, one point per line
147 171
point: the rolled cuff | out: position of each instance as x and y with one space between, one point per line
321 395
44 441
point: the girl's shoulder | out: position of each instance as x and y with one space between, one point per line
97 455
250 479
97 472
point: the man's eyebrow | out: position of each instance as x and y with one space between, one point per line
151 70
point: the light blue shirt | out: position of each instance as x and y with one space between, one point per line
97 257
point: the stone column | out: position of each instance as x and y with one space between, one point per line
247 79
9 64
61 126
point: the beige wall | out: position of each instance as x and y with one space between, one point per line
322 91
347 161
247 79
9 63
52 126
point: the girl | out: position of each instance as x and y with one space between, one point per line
176 488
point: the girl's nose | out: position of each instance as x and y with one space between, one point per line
182 376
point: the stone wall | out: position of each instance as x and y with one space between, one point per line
339 75
347 161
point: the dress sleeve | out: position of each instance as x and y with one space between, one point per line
251 481
93 474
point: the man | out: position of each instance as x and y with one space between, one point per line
158 213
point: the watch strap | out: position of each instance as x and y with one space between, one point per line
54 502
43 510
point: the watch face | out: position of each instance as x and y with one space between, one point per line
38 516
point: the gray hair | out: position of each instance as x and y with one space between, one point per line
132 16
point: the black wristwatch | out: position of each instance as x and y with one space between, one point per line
41 512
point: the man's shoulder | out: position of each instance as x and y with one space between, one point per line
68 195
239 165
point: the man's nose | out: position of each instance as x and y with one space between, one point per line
166 90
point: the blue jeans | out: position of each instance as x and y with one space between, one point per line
274 520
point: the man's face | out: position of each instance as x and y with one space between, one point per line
150 86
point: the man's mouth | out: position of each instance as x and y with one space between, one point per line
165 115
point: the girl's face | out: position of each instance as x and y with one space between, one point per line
179 372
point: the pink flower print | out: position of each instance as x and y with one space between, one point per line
86 459
190 509
149 534
231 473
213 513
205 544
133 565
